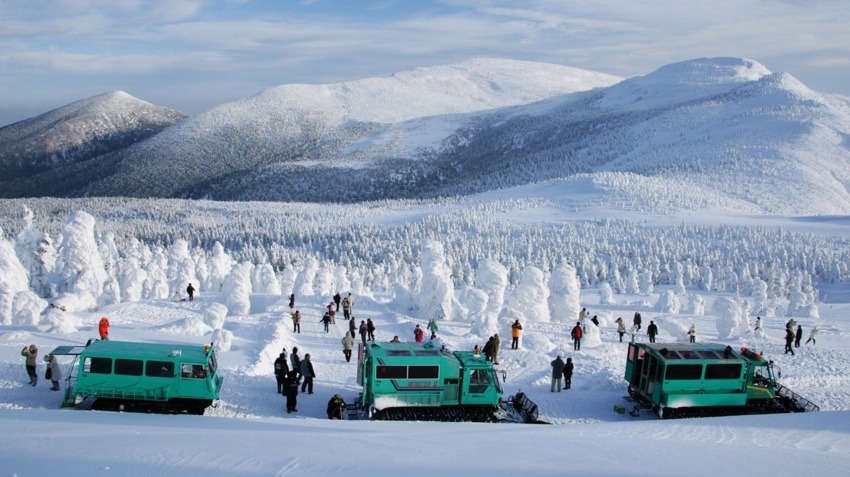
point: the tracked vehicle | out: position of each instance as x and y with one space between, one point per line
408 381
692 380
142 377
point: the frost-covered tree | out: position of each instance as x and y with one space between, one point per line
492 279
532 295
215 315
728 314
606 294
668 302
80 265
13 279
697 304
324 281
646 285
304 281
564 293
437 292
265 280
341 282
132 280
220 264
28 248
27 308
759 295
237 289
181 268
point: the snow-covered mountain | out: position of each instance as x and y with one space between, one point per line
79 131
727 127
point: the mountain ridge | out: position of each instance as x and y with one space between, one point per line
728 123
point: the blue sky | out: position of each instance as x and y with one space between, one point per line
192 55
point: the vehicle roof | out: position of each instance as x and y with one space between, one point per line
696 351
386 350
186 351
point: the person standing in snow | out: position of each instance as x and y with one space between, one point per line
812 335
516 331
281 370
621 327
582 315
363 331
557 372
789 341
347 345
292 303
651 331
575 334
758 323
634 331
295 362
798 336
637 321
296 322
370 328
55 371
352 326
190 290
497 345
332 312
488 349
418 334
568 373
103 328
347 306
692 333
308 374
31 353
326 319
290 390
337 300
433 328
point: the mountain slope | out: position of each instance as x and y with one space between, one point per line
79 131
316 125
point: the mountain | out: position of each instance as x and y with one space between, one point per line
79 131
728 126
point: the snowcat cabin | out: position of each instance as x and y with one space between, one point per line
480 383
121 375
675 375
398 378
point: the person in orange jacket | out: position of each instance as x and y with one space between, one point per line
516 331
103 328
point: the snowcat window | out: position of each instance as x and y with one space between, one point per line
709 354
128 367
688 354
479 381
427 352
193 371
423 372
398 352
723 371
391 372
683 372
97 365
163 369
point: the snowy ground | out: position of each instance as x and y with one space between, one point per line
249 433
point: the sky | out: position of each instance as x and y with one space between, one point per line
193 55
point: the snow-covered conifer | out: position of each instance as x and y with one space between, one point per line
220 264
606 294
265 280
728 314
668 302
564 293
532 295
81 270
435 297
27 308
491 278
13 279
304 281
237 289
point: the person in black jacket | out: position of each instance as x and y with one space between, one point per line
370 328
651 331
568 373
295 361
290 389
335 407
337 300
798 336
281 370
308 374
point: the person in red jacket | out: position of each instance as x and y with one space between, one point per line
103 328
576 334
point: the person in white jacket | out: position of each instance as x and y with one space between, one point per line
347 345
55 371
812 335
